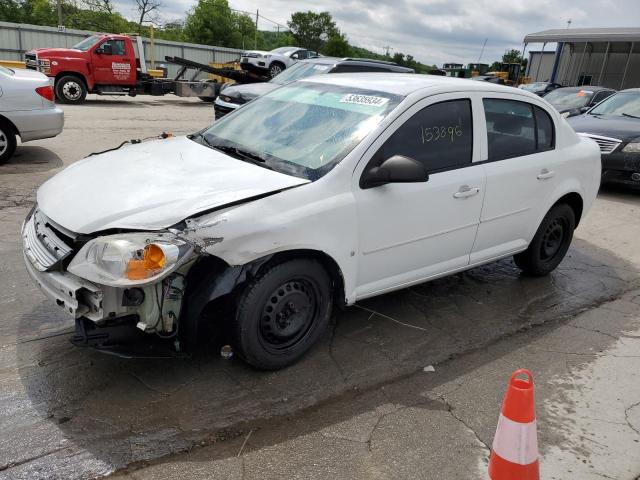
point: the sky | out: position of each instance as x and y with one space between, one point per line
435 31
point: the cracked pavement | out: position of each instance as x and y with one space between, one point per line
359 406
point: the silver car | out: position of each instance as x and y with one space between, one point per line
27 109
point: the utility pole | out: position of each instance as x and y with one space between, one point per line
60 13
569 23
482 50
255 38
387 48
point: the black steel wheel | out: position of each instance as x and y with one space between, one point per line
550 243
282 313
70 89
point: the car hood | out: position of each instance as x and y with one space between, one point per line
613 126
152 185
30 74
249 91
54 52
261 52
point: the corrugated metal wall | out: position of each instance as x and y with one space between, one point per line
16 39
604 68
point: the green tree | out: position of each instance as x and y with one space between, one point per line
512 56
11 11
213 23
311 30
337 46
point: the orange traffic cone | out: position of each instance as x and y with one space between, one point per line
514 455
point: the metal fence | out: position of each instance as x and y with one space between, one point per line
17 38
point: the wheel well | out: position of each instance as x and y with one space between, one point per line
8 122
72 74
574 200
325 260
278 62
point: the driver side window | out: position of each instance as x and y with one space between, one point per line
439 136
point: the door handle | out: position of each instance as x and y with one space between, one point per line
466 191
545 174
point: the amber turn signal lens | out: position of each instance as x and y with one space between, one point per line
153 260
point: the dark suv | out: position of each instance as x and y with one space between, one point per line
234 96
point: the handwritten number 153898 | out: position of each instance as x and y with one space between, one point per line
432 134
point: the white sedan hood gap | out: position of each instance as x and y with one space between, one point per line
151 186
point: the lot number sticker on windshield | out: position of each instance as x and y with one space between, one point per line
368 100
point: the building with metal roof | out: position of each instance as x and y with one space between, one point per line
586 56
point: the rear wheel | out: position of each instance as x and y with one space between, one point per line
7 141
70 89
550 243
281 314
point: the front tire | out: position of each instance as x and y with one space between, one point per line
71 89
281 314
275 69
550 243
7 142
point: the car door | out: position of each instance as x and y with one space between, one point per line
522 171
113 64
409 232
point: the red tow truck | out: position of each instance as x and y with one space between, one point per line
107 64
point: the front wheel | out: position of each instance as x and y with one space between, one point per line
70 89
275 69
7 142
550 243
281 314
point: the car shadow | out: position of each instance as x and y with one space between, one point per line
88 413
31 159
143 102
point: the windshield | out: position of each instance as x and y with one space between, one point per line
533 86
6 71
569 98
301 70
303 129
622 104
283 49
87 43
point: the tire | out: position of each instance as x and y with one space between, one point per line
275 69
7 142
71 89
550 243
281 314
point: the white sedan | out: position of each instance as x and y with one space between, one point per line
325 191
275 61
27 109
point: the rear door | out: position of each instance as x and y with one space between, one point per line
116 64
522 172
410 232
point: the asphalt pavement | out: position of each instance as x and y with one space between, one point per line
360 405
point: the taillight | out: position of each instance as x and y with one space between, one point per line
46 92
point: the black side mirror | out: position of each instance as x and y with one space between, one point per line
396 169
104 49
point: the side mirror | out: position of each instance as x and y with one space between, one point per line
396 169
104 49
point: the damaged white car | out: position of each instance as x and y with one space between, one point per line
328 190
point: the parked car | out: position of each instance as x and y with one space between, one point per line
615 125
274 62
489 78
27 109
325 191
233 96
540 88
572 101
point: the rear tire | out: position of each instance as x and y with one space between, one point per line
281 314
550 243
71 89
7 141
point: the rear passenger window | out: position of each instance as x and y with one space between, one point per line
439 136
515 129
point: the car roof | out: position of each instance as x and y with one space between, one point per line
592 88
635 90
358 61
405 83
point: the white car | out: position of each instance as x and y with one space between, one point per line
327 190
275 61
27 109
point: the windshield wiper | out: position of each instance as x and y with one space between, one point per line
202 136
243 155
629 115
